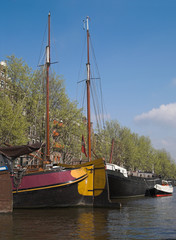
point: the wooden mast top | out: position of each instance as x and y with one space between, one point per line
47 92
88 93
112 148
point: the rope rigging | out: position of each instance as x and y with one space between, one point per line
96 90
41 59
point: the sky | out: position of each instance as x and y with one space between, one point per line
135 46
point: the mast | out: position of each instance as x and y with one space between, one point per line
88 94
112 148
47 92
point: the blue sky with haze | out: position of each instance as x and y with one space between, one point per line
135 47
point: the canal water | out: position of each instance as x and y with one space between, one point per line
143 218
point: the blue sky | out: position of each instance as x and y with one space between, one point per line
135 47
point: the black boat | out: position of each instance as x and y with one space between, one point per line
123 185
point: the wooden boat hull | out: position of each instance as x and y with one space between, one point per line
80 185
125 187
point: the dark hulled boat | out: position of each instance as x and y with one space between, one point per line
61 186
122 185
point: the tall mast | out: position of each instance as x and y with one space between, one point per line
88 94
47 92
112 148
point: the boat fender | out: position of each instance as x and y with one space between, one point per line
17 178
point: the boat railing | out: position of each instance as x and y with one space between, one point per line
110 167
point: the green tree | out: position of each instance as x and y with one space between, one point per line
132 151
20 77
26 95
13 124
22 107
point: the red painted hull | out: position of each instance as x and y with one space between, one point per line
48 189
43 179
163 195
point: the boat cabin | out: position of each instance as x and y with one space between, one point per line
114 167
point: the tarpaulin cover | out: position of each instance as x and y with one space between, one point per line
17 151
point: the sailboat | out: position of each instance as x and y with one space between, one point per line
61 186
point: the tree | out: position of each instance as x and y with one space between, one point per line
132 151
26 96
12 121
20 75
22 107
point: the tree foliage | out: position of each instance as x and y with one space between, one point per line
22 120
12 122
132 151
23 104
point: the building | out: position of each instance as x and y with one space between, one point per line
3 75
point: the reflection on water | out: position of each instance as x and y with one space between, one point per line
91 222
67 223
144 218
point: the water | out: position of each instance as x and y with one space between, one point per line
144 218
